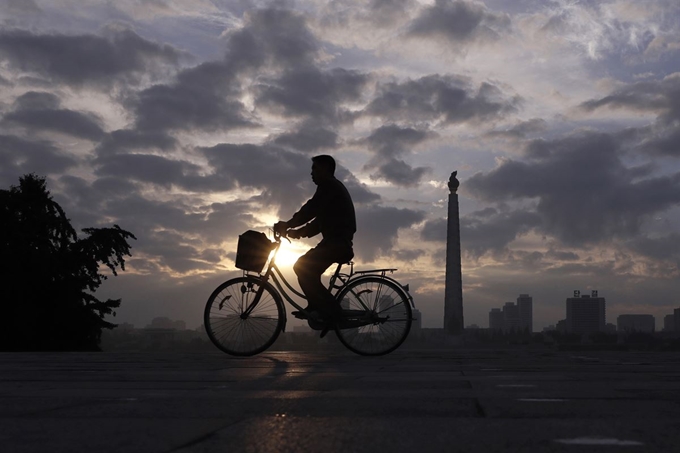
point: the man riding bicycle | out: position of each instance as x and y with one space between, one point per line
329 212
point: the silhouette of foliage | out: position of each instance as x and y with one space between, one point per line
48 274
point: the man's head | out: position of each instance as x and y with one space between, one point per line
323 168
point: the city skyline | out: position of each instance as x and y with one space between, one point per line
188 123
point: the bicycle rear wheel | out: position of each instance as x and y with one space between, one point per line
381 310
235 333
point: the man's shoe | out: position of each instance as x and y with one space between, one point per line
304 314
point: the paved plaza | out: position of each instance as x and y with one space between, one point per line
476 400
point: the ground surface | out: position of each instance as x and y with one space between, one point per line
479 400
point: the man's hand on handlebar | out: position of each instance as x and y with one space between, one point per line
281 228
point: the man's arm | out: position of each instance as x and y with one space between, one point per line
307 212
311 229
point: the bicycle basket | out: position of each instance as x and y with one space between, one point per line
253 251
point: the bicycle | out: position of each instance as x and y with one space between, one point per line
245 315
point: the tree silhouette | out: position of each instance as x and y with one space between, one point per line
48 274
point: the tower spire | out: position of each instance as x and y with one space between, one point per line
453 292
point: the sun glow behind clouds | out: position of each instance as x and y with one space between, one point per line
288 254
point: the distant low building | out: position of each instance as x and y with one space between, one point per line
163 322
635 323
417 324
513 317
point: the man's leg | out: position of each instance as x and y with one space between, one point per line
309 269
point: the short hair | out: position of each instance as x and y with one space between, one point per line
325 161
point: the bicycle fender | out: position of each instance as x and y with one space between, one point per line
401 287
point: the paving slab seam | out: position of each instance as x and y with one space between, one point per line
202 438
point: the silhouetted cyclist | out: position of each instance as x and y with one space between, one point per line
329 212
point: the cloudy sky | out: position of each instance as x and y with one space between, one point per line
188 122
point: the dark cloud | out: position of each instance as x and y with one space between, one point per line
389 143
661 96
281 176
310 92
85 60
36 100
378 227
177 233
204 97
84 200
273 37
662 140
19 156
40 111
665 248
21 6
522 129
171 250
398 172
459 22
559 255
126 140
485 230
148 168
493 233
584 192
408 255
445 98
209 96
308 138
388 12
360 192
434 230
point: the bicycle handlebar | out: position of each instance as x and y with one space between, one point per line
278 235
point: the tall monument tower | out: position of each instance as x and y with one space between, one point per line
453 293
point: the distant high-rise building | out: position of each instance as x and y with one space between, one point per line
511 321
586 314
496 319
635 323
669 323
526 317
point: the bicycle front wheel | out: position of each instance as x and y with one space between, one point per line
236 333
381 310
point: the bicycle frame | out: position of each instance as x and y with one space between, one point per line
273 270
